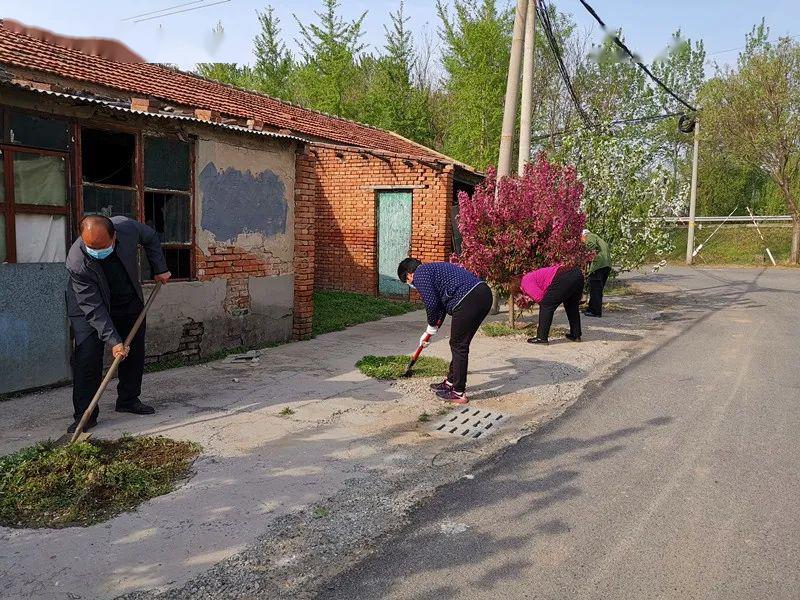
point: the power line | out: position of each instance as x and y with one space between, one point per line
547 26
153 12
788 37
185 10
617 122
633 57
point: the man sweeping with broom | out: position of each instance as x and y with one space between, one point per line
104 299
447 289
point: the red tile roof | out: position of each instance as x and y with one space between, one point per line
155 81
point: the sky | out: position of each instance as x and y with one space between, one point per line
187 38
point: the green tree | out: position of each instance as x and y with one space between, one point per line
752 113
476 45
395 101
329 78
274 67
682 69
625 193
230 73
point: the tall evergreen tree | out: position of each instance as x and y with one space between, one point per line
329 78
476 46
274 64
395 101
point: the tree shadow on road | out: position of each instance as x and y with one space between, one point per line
539 473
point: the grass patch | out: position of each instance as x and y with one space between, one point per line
424 418
320 512
334 311
286 412
733 245
393 367
503 330
88 482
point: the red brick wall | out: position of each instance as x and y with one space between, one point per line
237 266
346 218
304 244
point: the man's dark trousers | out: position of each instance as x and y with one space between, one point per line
467 318
567 289
87 368
597 283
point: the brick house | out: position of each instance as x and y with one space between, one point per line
258 202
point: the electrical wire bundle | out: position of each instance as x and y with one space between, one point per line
543 12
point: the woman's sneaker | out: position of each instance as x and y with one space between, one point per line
450 395
442 387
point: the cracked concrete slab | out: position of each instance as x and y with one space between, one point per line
262 472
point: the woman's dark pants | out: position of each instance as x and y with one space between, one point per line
566 289
467 317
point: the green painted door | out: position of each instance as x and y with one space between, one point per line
394 240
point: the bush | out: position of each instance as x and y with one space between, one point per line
88 482
393 367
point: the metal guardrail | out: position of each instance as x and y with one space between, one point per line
736 219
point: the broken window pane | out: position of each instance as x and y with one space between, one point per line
107 157
41 238
166 164
38 132
2 238
40 179
168 214
109 202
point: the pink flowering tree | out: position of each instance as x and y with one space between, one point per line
531 222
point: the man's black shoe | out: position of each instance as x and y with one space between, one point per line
572 338
536 340
137 408
74 426
589 313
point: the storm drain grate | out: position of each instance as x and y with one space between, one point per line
470 423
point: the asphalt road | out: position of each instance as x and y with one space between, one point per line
680 478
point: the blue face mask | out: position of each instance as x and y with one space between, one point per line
100 254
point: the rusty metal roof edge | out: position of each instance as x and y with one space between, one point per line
125 109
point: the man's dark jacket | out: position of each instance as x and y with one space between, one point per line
88 294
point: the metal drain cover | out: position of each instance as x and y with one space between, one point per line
470 423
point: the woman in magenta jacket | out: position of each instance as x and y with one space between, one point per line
549 287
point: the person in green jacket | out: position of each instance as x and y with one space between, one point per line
599 270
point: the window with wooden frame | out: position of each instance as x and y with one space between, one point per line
34 187
147 178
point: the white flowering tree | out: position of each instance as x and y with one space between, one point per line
626 191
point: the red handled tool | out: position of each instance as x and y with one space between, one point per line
415 356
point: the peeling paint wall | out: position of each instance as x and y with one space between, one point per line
244 197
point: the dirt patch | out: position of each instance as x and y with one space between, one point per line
393 367
88 482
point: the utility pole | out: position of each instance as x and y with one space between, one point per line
693 197
512 92
526 117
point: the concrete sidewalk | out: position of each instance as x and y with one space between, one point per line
258 468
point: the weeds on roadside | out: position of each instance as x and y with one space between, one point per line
393 367
320 512
88 482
